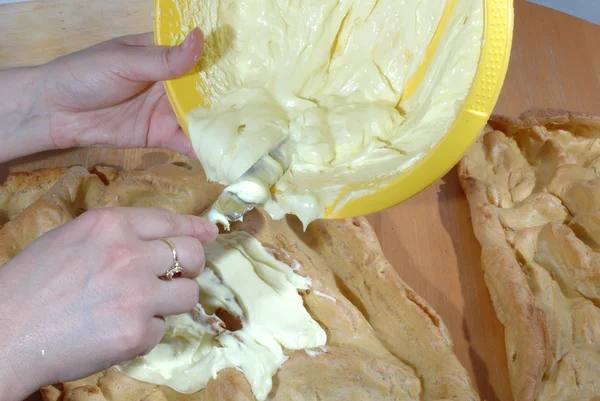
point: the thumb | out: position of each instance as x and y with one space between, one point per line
151 63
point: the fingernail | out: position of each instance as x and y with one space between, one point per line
189 40
214 230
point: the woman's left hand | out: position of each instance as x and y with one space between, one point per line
108 95
111 95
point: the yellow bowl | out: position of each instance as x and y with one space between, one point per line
479 103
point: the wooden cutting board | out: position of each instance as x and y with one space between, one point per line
555 63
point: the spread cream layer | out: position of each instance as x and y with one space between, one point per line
258 293
338 77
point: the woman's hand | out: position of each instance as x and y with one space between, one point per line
107 95
87 295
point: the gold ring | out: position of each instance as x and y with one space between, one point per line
175 270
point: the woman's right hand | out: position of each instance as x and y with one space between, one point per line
88 295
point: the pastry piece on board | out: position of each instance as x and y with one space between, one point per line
533 186
384 342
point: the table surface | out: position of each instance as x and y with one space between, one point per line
428 238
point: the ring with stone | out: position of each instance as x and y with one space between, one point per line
175 271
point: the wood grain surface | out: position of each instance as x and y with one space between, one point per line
555 63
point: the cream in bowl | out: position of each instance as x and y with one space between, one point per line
363 88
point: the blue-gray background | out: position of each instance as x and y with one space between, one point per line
588 10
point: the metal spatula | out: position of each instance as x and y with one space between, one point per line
229 206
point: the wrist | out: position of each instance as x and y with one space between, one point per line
24 116
13 385
19 377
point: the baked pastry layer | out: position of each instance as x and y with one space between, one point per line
533 186
384 341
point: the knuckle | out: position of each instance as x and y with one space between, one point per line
146 349
191 295
89 218
200 229
170 221
197 229
197 253
121 256
133 338
166 57
132 301
105 220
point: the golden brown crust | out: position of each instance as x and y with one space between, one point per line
531 184
70 194
549 118
384 341
21 189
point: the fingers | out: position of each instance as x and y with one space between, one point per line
180 143
156 330
142 39
190 255
154 223
176 296
167 132
149 63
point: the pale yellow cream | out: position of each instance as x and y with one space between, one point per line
246 280
332 74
